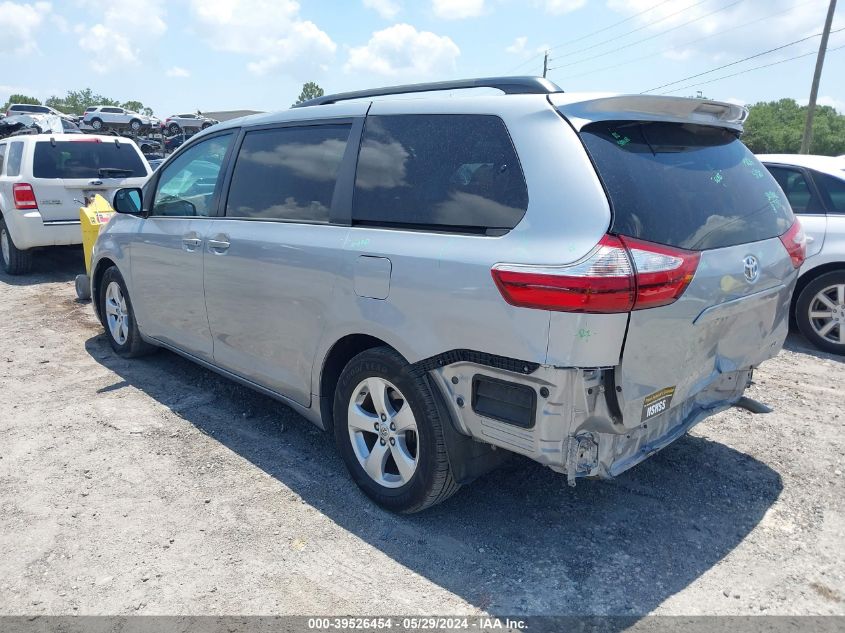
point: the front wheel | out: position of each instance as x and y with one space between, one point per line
389 432
820 312
135 125
15 260
119 317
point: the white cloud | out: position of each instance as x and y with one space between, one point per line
838 104
109 48
402 50
559 7
388 9
786 25
177 71
457 9
520 48
270 32
18 24
118 37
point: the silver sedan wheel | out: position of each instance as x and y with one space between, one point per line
4 245
383 432
117 316
827 313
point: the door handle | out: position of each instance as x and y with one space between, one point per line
218 246
191 243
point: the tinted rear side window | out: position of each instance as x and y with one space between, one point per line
684 185
801 197
287 173
86 159
440 172
13 160
834 188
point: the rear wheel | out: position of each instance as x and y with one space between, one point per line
135 125
390 434
97 124
174 128
15 260
820 312
119 317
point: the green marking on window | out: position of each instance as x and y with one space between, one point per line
584 334
757 173
747 162
717 177
621 141
774 200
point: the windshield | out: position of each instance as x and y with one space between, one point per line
691 186
86 159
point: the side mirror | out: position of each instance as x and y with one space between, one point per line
128 200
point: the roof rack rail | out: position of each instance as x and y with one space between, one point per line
508 85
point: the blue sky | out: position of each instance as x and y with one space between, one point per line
181 55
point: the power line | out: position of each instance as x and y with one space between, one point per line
739 61
589 35
651 37
689 43
748 70
640 28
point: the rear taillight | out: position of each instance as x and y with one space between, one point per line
662 272
24 196
619 275
795 243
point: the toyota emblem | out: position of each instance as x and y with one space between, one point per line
751 268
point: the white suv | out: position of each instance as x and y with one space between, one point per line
815 187
103 117
45 178
178 123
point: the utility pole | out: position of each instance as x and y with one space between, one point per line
807 139
546 60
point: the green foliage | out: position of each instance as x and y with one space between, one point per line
17 98
76 101
310 90
776 127
137 106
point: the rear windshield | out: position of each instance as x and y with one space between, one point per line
684 185
86 159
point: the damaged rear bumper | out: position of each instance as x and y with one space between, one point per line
575 425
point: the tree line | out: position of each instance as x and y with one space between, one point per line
772 127
76 101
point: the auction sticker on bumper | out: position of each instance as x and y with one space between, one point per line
657 403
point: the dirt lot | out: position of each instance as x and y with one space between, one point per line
154 486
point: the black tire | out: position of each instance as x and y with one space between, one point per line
205 126
432 480
15 261
135 125
97 124
805 305
134 345
174 128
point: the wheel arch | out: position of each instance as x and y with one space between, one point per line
808 277
338 356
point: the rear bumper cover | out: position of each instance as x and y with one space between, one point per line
28 230
576 429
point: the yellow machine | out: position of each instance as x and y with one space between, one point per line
93 218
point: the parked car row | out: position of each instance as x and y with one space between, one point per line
440 282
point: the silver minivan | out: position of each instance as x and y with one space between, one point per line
442 281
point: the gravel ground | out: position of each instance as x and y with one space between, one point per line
153 486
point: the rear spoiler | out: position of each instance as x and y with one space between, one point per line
591 108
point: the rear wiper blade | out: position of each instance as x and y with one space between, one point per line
113 172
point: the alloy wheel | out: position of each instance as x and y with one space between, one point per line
827 313
383 432
117 315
